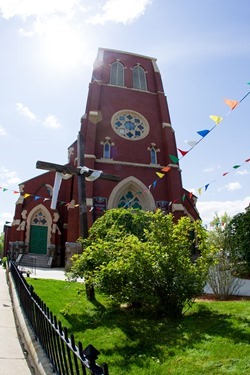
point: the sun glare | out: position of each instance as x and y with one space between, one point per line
63 46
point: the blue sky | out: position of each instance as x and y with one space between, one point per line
202 50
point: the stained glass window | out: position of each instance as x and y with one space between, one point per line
39 219
129 200
130 125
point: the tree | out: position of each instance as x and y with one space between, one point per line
145 260
221 277
238 242
1 244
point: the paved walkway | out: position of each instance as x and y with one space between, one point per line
12 357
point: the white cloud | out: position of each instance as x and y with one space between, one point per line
52 122
120 11
232 186
8 177
242 172
25 111
2 131
31 8
208 209
207 170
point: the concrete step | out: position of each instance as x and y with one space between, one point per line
35 260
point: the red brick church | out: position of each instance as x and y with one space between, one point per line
127 132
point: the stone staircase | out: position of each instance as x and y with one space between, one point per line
34 260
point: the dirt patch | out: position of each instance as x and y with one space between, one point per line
212 297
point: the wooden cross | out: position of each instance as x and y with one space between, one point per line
69 169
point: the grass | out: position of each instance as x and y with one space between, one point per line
213 337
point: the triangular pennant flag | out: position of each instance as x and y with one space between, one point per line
46 199
224 174
236 166
206 186
36 197
190 195
26 195
15 192
154 183
216 119
199 191
166 169
191 143
5 189
182 152
174 158
160 174
203 133
231 103
247 160
170 203
183 197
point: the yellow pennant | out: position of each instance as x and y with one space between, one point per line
26 195
216 119
159 174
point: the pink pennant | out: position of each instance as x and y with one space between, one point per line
231 103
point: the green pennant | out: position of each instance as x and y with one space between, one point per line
174 158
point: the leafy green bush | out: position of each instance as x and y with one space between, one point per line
146 260
4 261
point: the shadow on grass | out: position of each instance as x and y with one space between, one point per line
148 337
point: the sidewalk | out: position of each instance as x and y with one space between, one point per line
12 358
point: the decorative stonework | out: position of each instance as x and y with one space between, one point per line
130 125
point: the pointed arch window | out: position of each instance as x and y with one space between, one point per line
117 74
39 219
153 153
129 200
107 145
139 78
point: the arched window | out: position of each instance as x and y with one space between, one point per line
153 153
139 78
129 200
107 148
117 74
153 156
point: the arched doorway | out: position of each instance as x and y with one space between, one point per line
38 230
38 234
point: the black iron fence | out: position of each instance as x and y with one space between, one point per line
65 356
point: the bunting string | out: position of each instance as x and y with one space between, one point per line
203 133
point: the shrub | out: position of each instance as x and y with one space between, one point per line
154 269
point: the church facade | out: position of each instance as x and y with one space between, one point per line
126 131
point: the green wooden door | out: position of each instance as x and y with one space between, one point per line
38 239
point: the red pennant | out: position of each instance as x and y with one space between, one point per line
182 152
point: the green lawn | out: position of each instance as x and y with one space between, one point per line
212 338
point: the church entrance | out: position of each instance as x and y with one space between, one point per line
38 239
38 236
